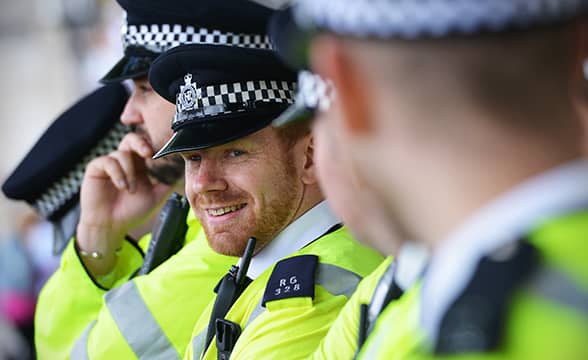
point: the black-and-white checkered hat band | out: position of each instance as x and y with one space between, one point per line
216 99
431 18
159 38
314 92
69 185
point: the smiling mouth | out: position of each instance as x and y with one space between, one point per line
224 210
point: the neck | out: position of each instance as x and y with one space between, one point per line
463 178
310 198
468 195
483 192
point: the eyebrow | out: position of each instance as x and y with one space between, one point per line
247 141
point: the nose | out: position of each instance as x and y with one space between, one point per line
131 114
205 176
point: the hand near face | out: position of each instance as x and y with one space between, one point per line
117 194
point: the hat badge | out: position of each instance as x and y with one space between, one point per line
186 99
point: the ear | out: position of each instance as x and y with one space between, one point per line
579 80
309 176
330 60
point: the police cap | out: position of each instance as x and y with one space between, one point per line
411 19
50 175
154 26
221 93
292 29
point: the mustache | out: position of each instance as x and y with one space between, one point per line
140 130
168 170
213 199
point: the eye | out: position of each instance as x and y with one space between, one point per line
236 153
143 88
192 157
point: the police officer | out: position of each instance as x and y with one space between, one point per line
482 164
89 308
246 179
48 178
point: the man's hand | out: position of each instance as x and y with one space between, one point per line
116 196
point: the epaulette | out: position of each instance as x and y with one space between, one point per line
292 277
476 320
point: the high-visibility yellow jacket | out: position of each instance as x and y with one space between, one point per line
151 316
341 339
547 315
289 327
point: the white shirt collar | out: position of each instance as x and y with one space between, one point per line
307 228
504 220
411 261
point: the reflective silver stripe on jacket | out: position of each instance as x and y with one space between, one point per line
336 280
137 325
377 305
198 345
255 313
556 286
80 348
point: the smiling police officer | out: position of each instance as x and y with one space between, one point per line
246 179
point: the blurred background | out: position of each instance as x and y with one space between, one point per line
52 52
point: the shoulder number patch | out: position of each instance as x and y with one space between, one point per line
292 277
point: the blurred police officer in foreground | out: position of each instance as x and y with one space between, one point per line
151 315
365 219
339 180
458 114
246 179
